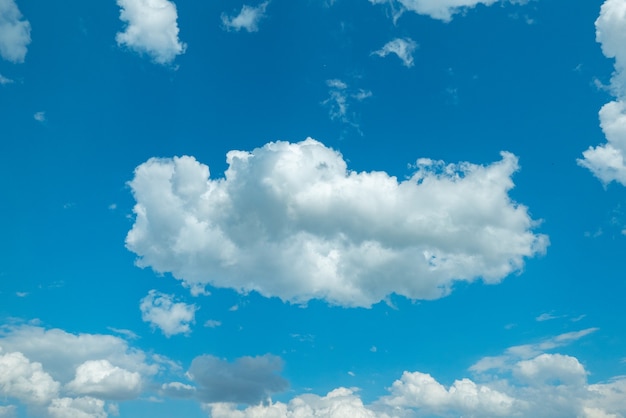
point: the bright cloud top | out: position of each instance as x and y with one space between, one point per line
170 317
151 28
247 19
403 48
290 220
437 9
608 161
14 32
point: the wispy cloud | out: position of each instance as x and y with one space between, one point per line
4 80
402 47
40 116
248 18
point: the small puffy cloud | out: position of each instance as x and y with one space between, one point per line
402 47
290 220
247 19
40 116
25 380
171 317
436 9
100 379
339 403
608 161
85 407
247 380
14 32
151 28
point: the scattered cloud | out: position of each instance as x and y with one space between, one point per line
402 47
21 294
267 226
125 332
247 380
339 100
608 161
437 9
25 380
151 28
212 323
544 385
247 19
170 317
14 33
40 116
547 317
3 81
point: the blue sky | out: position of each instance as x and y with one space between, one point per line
334 208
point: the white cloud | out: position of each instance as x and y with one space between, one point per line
403 48
421 391
4 80
339 403
170 317
546 385
85 407
61 353
608 161
248 18
151 28
14 32
436 9
25 380
100 379
290 220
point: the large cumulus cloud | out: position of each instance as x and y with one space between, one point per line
290 220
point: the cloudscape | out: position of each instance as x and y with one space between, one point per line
323 208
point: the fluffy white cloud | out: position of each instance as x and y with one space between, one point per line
402 47
437 9
339 403
25 380
14 32
151 28
608 161
290 220
170 317
551 368
99 378
61 353
246 380
248 18
85 407
423 392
